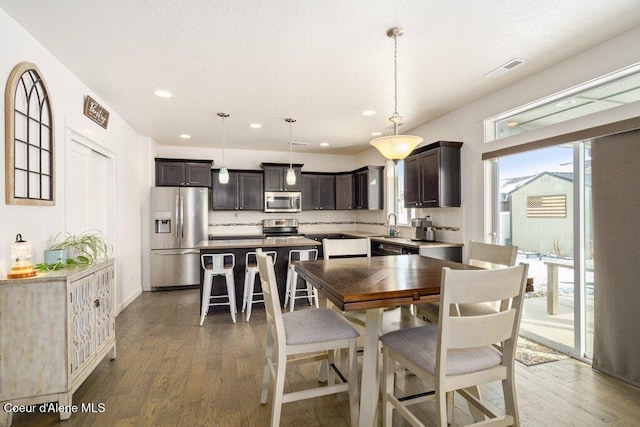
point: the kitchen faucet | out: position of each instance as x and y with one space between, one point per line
392 229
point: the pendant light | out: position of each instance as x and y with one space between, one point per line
291 174
223 173
396 147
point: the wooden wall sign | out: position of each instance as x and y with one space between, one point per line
96 112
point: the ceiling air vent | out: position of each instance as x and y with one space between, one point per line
504 68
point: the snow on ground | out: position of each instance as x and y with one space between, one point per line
538 271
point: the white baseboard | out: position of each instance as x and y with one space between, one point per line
129 300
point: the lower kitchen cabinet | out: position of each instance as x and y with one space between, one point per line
55 329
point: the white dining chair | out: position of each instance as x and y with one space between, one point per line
250 272
310 335
484 255
461 352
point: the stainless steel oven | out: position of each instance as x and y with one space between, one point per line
282 201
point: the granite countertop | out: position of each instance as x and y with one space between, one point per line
402 241
267 242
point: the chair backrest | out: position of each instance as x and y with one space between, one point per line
303 254
480 286
501 256
271 297
250 257
346 247
218 262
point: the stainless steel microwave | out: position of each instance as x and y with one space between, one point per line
282 201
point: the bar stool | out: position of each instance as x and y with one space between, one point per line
250 271
292 278
218 265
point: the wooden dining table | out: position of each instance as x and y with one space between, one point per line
373 284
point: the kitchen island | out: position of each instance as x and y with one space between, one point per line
240 247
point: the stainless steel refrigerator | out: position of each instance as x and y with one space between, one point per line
179 217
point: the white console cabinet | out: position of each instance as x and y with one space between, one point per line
54 330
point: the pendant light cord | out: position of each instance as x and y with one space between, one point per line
395 76
224 145
290 146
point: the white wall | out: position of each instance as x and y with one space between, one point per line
67 97
466 123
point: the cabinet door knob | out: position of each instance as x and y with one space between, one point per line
97 303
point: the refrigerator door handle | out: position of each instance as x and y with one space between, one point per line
178 219
171 253
181 217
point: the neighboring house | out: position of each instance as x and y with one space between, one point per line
543 205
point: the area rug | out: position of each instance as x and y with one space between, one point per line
531 353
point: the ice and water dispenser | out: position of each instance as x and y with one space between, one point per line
162 222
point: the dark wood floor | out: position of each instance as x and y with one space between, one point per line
171 371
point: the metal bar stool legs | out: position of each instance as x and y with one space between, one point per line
292 278
218 265
250 271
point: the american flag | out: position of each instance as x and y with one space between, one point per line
547 206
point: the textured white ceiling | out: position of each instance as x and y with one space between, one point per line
321 62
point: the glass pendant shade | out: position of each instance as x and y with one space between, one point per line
396 147
21 256
291 176
223 176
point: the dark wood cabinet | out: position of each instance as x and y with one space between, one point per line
318 192
344 191
432 176
183 173
275 175
369 188
242 192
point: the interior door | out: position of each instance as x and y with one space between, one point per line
87 192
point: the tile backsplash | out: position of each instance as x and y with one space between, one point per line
448 222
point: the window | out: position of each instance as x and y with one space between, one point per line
404 214
610 91
29 138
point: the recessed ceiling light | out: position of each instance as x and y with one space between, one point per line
376 133
163 93
255 125
185 136
368 113
512 124
324 144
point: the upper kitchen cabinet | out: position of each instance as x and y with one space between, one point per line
242 192
318 191
344 191
432 176
183 173
368 188
275 177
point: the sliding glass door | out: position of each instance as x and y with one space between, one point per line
543 206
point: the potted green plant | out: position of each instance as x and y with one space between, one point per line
81 249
